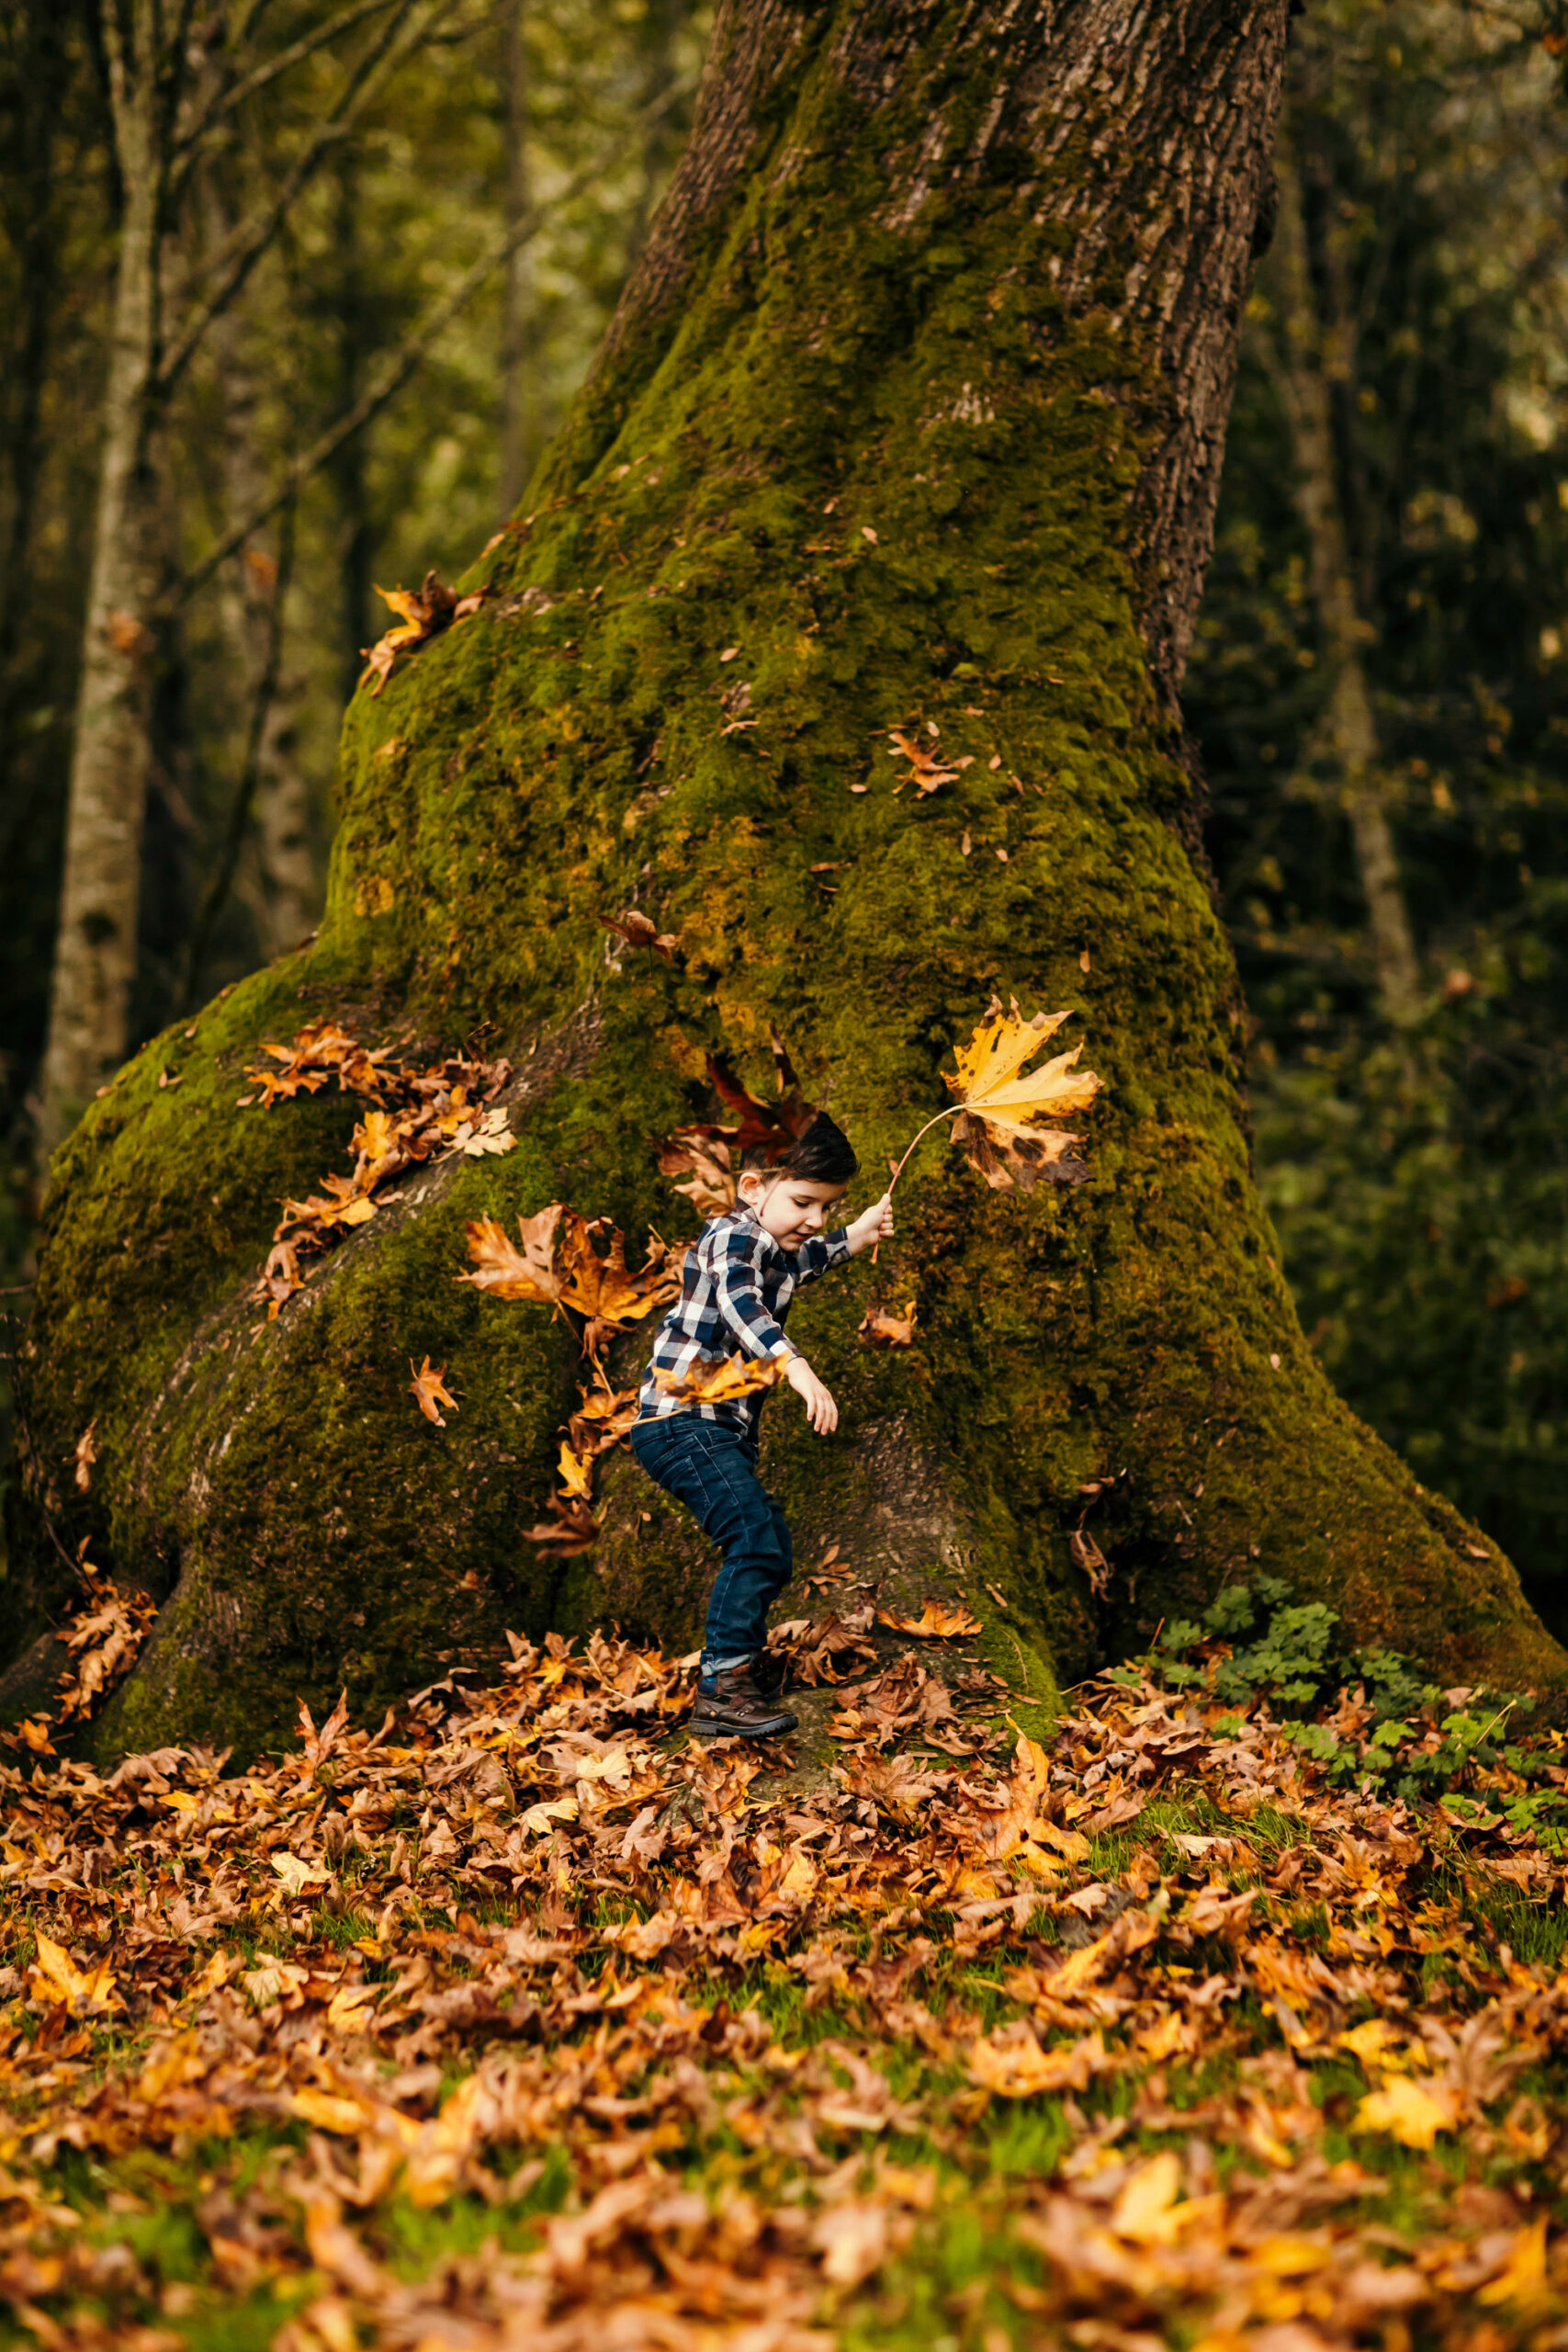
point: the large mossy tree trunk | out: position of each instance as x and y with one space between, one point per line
912 417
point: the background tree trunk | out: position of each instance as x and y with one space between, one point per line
1300 367
912 417
95 959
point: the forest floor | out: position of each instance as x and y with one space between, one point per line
522 2022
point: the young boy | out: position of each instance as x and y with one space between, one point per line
737 1284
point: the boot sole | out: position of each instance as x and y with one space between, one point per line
709 1730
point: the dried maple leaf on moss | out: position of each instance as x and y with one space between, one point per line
428 1390
939 1620
507 1272
722 1384
703 1156
1001 1123
424 613
320 1051
603 1419
571 1527
925 766
880 1330
595 1281
420 1112
632 929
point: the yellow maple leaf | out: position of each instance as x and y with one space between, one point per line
506 1272
721 1383
1006 1115
1523 2280
597 1284
57 1981
1408 2111
574 1475
939 1620
428 1389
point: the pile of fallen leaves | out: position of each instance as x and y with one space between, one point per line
421 1113
518 2021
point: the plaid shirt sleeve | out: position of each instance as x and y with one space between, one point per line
824 1250
735 1271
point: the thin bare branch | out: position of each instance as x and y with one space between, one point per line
362 84
226 97
399 365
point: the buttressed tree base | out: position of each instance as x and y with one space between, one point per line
910 420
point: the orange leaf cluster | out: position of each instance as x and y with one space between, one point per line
709 1156
565 1923
567 1261
423 1113
424 613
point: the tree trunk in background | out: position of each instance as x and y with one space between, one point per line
912 417
285 900
95 961
1300 373
348 466
517 277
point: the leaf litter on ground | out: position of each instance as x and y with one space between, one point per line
517 2021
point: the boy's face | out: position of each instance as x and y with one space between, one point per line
790 1209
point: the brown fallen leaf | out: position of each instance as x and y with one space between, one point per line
880 1330
84 1453
924 765
424 613
571 1527
634 930
1088 1556
702 1155
506 1272
938 1621
428 1391
595 1281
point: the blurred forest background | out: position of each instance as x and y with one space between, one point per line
1379 689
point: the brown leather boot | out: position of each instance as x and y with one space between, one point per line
770 1672
736 1709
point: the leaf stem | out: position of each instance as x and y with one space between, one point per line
950 1112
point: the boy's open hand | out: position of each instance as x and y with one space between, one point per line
875 1224
820 1409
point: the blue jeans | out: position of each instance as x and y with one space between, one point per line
711 1468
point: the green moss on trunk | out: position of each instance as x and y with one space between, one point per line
901 456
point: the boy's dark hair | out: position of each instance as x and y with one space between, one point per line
823 1155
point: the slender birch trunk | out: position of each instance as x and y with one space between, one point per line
287 898
517 278
1302 364
95 961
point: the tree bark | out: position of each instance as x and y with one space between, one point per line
911 419
1349 730
285 901
517 277
95 958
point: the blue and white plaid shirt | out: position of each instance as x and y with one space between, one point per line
736 1288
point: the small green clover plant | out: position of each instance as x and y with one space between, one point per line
1365 1717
